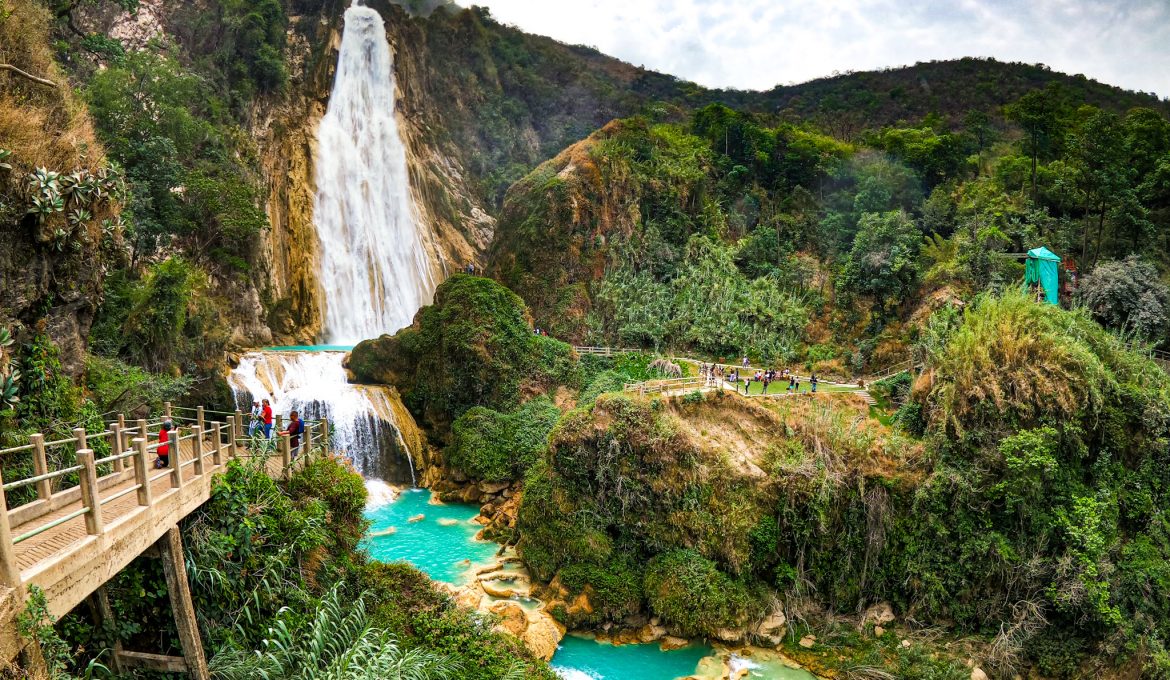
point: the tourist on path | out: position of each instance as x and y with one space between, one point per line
164 446
257 419
266 413
296 427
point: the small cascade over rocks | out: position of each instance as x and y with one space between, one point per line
376 270
363 418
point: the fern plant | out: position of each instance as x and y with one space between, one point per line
337 644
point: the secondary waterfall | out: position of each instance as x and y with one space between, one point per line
375 268
361 418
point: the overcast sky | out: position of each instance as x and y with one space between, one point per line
755 44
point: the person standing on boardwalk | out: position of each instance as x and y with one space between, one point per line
164 445
296 427
257 419
266 414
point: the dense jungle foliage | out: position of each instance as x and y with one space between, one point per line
283 590
728 234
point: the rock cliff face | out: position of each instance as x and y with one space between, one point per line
50 270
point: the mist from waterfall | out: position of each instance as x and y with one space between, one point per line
375 268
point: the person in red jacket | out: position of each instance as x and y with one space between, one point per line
267 414
164 446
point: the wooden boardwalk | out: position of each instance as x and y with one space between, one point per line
74 536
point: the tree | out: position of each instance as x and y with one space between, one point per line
883 262
1128 295
1098 154
1040 113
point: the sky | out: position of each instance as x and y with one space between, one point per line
757 44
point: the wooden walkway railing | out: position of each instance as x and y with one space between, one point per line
84 522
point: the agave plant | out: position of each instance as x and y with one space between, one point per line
45 181
45 205
79 217
9 374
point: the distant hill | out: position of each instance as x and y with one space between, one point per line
509 100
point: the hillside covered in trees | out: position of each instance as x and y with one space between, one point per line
1004 499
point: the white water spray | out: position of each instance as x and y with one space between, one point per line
376 271
313 383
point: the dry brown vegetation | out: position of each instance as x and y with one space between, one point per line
41 125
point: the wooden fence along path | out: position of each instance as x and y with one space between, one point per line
85 522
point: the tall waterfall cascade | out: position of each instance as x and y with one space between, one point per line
376 262
375 268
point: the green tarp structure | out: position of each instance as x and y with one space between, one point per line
1043 268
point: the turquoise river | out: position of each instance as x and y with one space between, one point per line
439 539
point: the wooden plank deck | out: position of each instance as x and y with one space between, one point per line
47 544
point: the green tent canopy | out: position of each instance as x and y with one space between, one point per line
1043 268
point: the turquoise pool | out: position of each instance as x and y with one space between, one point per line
442 544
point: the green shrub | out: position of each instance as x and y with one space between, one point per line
689 592
615 589
472 347
494 446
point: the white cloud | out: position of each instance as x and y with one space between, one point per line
755 44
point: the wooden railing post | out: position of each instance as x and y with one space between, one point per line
217 436
233 436
142 432
198 449
285 454
238 419
199 418
41 466
308 447
167 410
89 493
9 571
79 435
176 459
325 435
117 445
140 468
279 422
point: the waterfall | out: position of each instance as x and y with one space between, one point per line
375 268
361 418
376 271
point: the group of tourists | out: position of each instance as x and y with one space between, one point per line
261 422
262 419
715 374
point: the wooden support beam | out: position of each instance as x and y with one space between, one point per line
325 435
170 546
104 613
151 662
